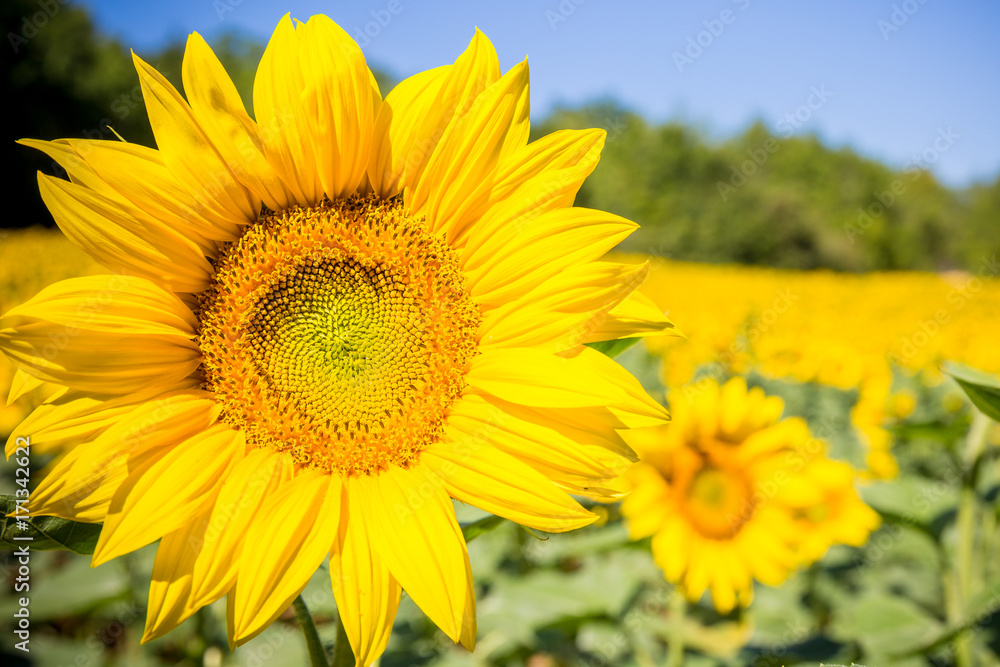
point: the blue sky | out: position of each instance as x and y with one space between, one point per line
885 77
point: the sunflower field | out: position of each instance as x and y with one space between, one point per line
304 363
826 493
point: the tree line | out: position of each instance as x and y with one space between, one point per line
761 197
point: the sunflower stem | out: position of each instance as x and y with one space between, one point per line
343 656
678 610
965 526
317 654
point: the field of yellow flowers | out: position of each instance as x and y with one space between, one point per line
852 332
874 546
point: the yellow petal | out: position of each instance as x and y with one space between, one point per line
366 592
277 104
243 492
672 547
561 312
540 177
108 304
636 316
81 483
648 504
535 378
557 450
159 496
338 102
634 404
734 403
601 494
285 544
72 417
135 178
552 243
112 235
402 140
170 586
412 525
587 378
413 118
188 153
315 106
220 112
453 191
22 383
467 635
481 475
104 334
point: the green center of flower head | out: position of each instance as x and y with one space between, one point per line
341 336
339 333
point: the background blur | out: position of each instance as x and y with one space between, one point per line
847 152
738 130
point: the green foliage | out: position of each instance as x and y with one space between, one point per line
62 78
760 198
613 348
45 532
592 597
982 388
803 204
471 531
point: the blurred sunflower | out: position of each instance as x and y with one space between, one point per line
832 513
325 323
730 493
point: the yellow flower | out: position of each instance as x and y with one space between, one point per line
727 493
29 260
834 514
321 326
902 404
848 331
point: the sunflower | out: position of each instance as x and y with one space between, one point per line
832 513
730 493
323 324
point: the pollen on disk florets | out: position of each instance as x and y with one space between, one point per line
339 333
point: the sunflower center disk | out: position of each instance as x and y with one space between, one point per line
718 502
339 333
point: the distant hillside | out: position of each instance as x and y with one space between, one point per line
757 198
760 198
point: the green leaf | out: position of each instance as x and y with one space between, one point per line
74 588
979 610
521 604
897 501
613 348
982 388
884 625
46 532
473 530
